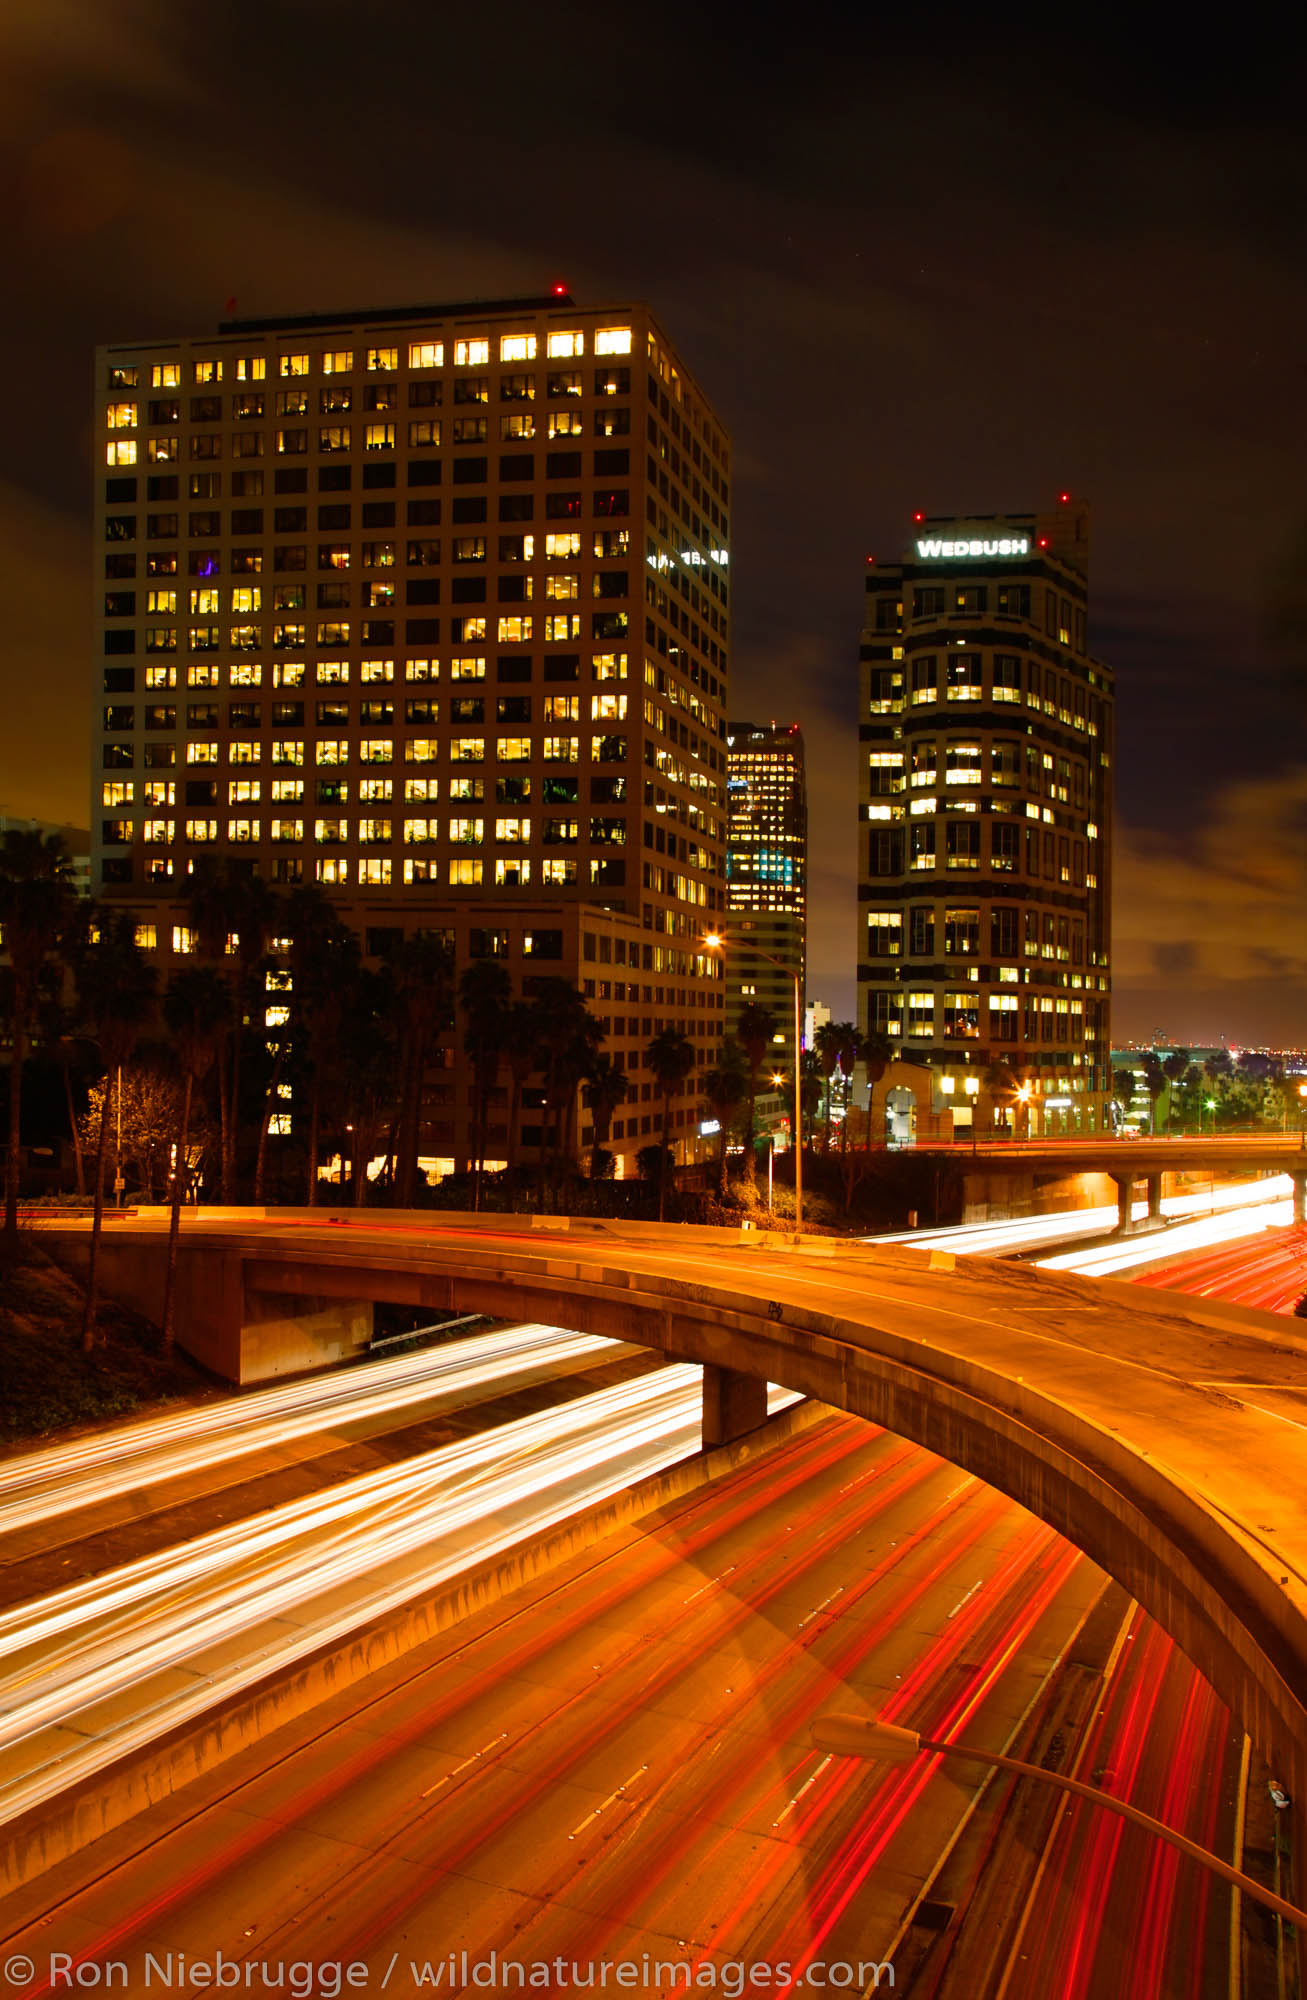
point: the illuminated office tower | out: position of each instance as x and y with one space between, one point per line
766 873
430 607
985 812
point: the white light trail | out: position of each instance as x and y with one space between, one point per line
1028 1232
95 1670
1159 1245
39 1485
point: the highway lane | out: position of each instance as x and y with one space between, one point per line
1268 1272
1012 1235
619 1760
100 1667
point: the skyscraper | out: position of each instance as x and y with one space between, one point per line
766 873
429 606
985 806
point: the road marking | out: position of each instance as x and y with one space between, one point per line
802 1789
967 1594
819 1608
618 1793
708 1586
466 1763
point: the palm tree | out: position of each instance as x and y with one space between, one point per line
1154 1084
846 1057
369 1053
755 1031
570 1039
876 1052
1123 1085
326 960
116 988
485 993
422 973
670 1055
36 906
1174 1069
524 1055
725 1087
606 1087
827 1044
811 1093
196 1010
1001 1087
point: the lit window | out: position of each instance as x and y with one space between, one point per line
286 750
514 749
513 831
423 433
376 750
422 670
242 830
379 437
334 437
383 360
563 346
467 749
292 364
467 667
206 371
514 630
467 832
613 340
565 547
375 872
286 829
558 872
120 417
566 423
562 708
519 426
465 873
512 871
561 750
121 451
183 940
469 548
339 362
469 628
426 354
608 666
422 750
252 368
517 347
471 353
332 750
165 375
119 793
608 708
163 451
201 830
419 831
421 790
332 868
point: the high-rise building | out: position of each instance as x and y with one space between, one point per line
986 806
766 874
429 606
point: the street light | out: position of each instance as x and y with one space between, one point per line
714 941
870 1738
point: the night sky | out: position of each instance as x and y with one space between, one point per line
912 263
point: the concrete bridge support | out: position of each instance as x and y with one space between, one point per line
1300 1195
1155 1198
733 1405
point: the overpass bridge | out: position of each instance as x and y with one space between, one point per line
1126 1162
1165 1436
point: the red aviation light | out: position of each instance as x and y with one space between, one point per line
1064 499
871 559
1043 541
560 291
918 517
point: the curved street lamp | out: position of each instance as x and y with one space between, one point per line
715 941
870 1738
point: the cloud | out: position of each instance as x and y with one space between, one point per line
1210 928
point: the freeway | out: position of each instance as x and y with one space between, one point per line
103 1666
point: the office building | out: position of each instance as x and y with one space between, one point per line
766 874
429 606
985 811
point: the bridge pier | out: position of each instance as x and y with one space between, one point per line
1154 1197
1299 1179
733 1405
1125 1188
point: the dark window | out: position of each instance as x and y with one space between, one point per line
468 507
291 520
290 557
513 667
563 465
424 513
422 590
516 507
120 603
124 489
206 409
120 680
201 791
608 462
885 852
162 486
471 471
609 624
1005 846
467 708
612 381
560 791
338 516
122 566
468 590
1003 938
200 525
247 521
120 642
542 944
120 528
202 715
562 666
378 631
332 712
424 472
421 710
517 465
379 475
607 791
421 631
617 502
161 717
921 930
424 395
120 718
562 506
378 513
513 708
118 756
610 749
422 554
610 583
288 714
160 527
377 712
291 479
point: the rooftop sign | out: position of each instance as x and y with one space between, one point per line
929 547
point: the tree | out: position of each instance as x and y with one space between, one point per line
524 1055
606 1087
147 1110
422 976
326 961
670 1055
725 1086
826 1041
1154 1083
877 1053
485 993
755 1031
569 1040
116 988
36 907
1174 1069
846 1059
1123 1083
196 1010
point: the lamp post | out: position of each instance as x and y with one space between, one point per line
714 941
870 1738
1302 1117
